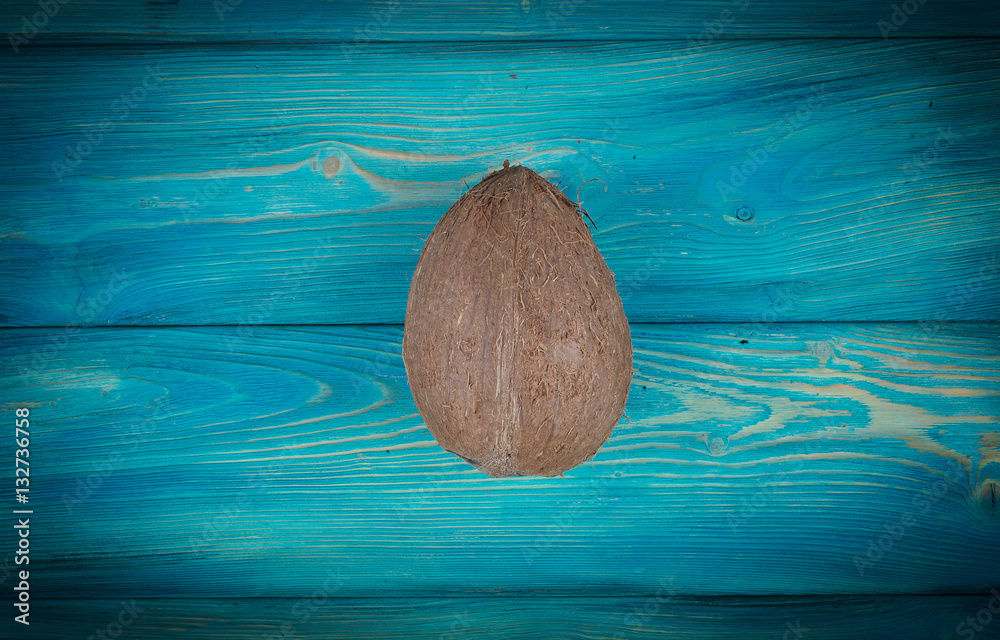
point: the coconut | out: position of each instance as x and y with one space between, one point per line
516 345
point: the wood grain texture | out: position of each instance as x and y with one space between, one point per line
754 459
252 21
323 616
294 185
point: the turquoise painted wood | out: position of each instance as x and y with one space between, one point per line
357 23
753 459
658 615
294 185
274 168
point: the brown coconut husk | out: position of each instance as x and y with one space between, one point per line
516 345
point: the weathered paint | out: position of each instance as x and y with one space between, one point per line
280 185
207 482
211 462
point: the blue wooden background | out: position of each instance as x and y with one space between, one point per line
210 215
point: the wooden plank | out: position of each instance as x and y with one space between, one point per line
358 23
292 186
660 614
754 460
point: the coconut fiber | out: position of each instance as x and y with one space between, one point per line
516 345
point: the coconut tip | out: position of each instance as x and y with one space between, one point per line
506 163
